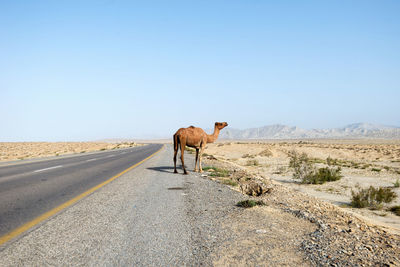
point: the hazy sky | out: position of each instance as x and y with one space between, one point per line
87 70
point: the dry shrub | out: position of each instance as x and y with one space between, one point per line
305 170
323 175
250 203
252 162
265 153
372 197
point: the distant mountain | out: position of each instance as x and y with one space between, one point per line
278 131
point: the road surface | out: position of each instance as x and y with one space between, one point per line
30 189
149 216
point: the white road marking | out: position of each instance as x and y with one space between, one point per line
110 156
41 170
92 159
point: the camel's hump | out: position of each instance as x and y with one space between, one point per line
191 126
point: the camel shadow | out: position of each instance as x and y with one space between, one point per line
167 169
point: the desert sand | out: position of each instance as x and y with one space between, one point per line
363 163
11 151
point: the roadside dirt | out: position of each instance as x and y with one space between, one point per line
264 236
296 226
363 163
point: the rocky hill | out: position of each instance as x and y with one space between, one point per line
277 131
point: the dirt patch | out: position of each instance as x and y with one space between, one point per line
264 233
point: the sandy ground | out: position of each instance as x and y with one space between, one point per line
25 150
363 163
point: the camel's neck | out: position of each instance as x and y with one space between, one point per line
211 138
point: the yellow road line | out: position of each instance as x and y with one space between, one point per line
41 218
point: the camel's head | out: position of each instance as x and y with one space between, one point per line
221 125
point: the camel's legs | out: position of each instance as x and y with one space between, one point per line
176 148
183 145
175 152
197 157
200 156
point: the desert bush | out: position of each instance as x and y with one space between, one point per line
249 203
317 160
280 170
248 156
297 159
395 210
323 175
303 171
355 165
396 184
375 170
308 174
252 162
372 197
365 166
330 161
265 153
301 164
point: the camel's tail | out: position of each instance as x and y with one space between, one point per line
176 142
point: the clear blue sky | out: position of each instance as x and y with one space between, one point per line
87 70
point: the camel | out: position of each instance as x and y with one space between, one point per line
196 138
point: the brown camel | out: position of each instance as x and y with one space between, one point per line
196 138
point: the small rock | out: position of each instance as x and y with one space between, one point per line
261 231
369 247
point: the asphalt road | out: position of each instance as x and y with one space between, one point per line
30 189
149 216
